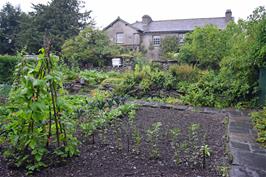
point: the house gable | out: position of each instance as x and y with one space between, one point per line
123 33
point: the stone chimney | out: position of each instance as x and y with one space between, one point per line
146 19
228 15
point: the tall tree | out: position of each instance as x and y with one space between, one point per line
9 28
60 20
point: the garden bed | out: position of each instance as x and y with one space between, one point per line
105 159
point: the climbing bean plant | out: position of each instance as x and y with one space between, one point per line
40 123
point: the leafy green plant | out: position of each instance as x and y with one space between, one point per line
205 152
153 134
175 144
137 138
169 47
7 68
103 134
90 46
185 72
194 142
43 115
117 130
224 170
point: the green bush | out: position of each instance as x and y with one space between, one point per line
170 47
215 90
185 72
7 67
94 77
202 93
204 47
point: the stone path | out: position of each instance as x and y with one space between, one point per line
249 159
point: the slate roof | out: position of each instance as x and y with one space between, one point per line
123 21
180 25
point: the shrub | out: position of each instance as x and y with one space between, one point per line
7 67
170 47
94 77
185 72
208 91
206 45
4 91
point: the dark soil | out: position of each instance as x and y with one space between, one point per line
106 160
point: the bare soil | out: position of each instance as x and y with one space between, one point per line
105 159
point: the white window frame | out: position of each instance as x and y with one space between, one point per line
181 37
156 40
119 38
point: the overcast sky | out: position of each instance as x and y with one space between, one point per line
105 11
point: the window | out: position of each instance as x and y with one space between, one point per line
156 40
119 38
181 38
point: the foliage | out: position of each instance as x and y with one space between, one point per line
9 26
94 77
259 120
7 67
4 90
45 119
185 73
174 135
90 46
145 79
169 47
206 152
240 57
59 19
204 47
153 134
169 100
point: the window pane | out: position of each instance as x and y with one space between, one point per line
119 38
181 38
156 40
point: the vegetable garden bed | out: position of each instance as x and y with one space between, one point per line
158 142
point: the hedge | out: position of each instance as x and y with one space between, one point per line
7 67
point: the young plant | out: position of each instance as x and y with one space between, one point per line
205 153
103 133
224 170
174 133
153 138
194 143
89 129
137 140
131 128
117 130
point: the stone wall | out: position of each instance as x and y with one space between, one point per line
131 36
153 52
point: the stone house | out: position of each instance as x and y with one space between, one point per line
147 34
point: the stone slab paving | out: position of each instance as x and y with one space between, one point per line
249 158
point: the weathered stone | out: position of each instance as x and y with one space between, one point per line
234 113
237 171
249 159
240 146
258 149
241 137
